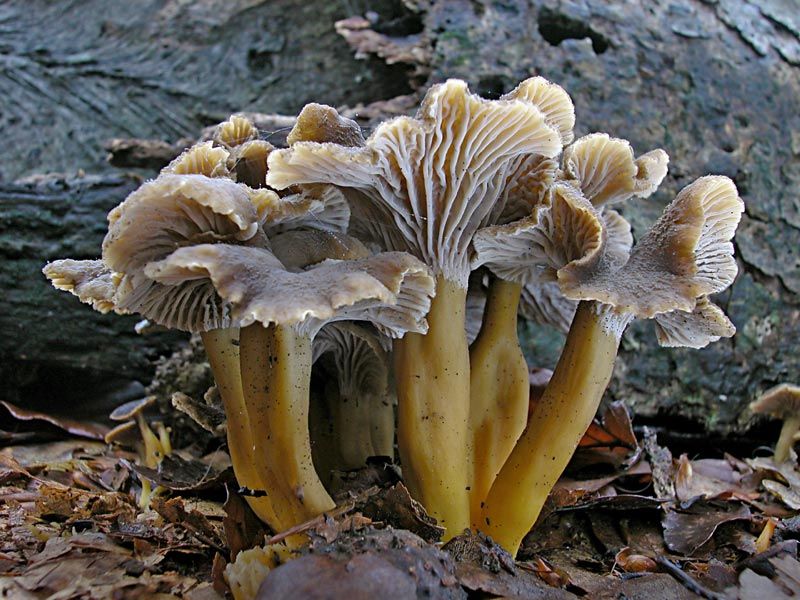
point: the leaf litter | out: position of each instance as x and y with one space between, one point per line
627 519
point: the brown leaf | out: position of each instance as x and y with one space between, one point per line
549 574
396 507
570 492
193 521
685 531
87 429
712 478
218 575
609 439
631 562
184 475
243 529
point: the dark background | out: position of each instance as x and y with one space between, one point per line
714 83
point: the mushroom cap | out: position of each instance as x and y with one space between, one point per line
126 433
434 179
696 329
552 100
780 401
90 280
170 212
392 290
564 238
200 159
687 254
249 162
315 206
606 171
235 131
300 249
322 123
173 211
129 410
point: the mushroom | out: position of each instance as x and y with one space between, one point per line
565 229
781 402
668 275
90 280
280 312
357 397
499 388
156 447
180 208
237 130
604 170
425 185
200 159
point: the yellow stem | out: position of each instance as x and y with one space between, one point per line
499 390
556 425
152 445
786 440
432 374
163 439
222 348
276 372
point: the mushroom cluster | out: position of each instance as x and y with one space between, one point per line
433 232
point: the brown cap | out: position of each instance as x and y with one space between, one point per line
433 180
126 433
360 360
300 249
606 171
167 213
321 123
527 184
392 290
780 401
687 254
90 280
130 409
696 329
249 162
543 302
568 235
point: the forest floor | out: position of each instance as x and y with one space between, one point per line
629 519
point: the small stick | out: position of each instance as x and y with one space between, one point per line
686 580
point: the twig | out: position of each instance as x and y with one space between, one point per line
686 580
